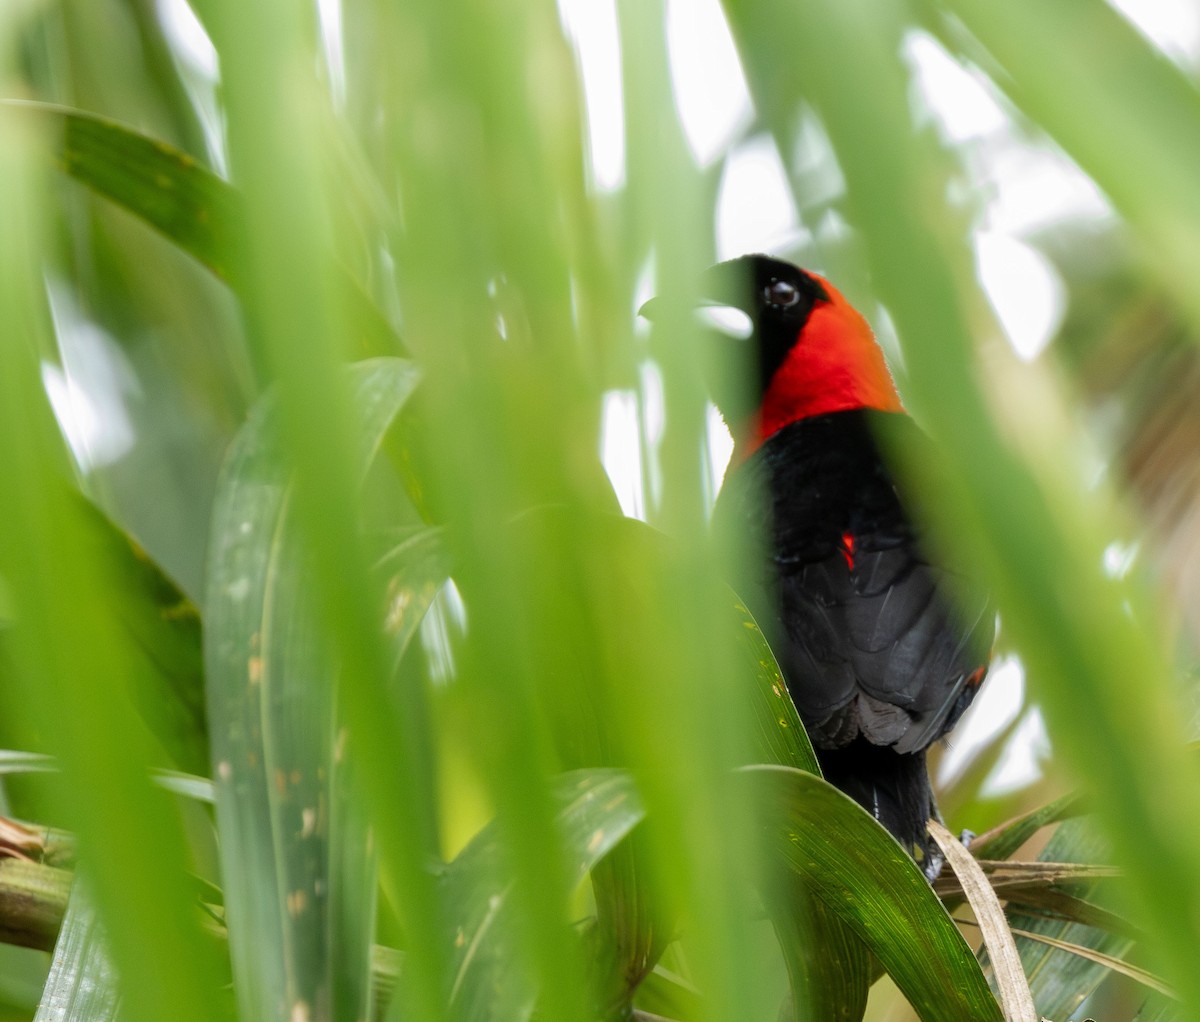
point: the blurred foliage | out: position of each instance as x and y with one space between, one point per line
359 696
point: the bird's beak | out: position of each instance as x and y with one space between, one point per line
651 309
721 286
718 316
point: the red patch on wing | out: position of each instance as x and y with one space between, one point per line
848 549
976 677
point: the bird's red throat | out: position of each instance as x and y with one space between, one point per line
835 365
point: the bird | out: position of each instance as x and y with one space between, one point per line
882 645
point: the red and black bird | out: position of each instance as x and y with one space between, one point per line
882 646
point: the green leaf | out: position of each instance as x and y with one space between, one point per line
81 986
13 761
828 963
782 738
634 921
298 878
1002 841
1061 981
860 873
197 210
597 809
164 626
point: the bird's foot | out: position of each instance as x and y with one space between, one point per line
934 861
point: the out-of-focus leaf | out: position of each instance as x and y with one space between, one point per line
189 204
82 986
71 655
1077 55
168 687
1159 1009
859 871
200 789
598 808
13 761
828 963
664 992
168 189
635 557
414 570
298 879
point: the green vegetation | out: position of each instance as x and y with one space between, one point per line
343 688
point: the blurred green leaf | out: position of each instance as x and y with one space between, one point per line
197 210
164 625
13 761
664 992
1076 54
189 204
73 658
598 808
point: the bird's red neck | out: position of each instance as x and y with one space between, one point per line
834 366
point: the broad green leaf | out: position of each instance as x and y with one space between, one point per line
860 873
597 810
164 625
197 210
82 985
71 659
633 558
783 739
168 189
296 865
829 965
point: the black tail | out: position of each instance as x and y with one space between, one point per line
891 786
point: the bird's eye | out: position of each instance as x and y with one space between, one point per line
782 293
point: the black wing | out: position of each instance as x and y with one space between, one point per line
874 639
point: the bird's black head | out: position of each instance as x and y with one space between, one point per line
810 353
777 296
